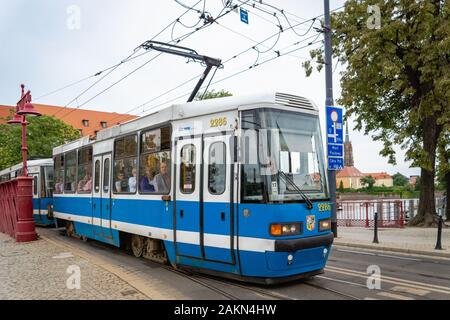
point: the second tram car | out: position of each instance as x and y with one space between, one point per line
42 172
232 186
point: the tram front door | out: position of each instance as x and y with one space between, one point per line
204 206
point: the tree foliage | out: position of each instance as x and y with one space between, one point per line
341 186
43 134
212 95
400 180
368 181
397 81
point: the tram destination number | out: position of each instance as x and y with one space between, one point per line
226 310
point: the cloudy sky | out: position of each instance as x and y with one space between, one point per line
49 44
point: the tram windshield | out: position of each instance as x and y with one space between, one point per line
277 142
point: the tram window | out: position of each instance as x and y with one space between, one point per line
217 168
97 176
70 172
154 162
125 164
59 174
84 182
155 173
106 175
187 169
35 185
46 182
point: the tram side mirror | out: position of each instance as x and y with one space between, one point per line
166 198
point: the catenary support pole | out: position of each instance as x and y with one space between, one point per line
329 102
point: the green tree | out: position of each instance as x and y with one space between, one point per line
43 134
212 95
368 181
400 180
396 83
341 186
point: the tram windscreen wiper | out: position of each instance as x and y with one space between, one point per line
287 179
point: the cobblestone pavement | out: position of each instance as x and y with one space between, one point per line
41 270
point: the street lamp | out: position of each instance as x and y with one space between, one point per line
24 108
25 228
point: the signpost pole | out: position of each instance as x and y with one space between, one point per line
329 102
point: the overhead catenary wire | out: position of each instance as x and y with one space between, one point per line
185 82
234 74
113 67
181 38
282 11
227 60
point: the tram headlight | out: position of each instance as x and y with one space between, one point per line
324 225
285 229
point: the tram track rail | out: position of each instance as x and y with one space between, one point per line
205 281
195 279
346 295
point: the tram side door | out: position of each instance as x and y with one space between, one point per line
218 200
106 195
96 196
101 199
187 184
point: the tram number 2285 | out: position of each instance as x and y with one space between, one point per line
218 122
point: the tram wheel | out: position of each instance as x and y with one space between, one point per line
137 245
70 229
84 238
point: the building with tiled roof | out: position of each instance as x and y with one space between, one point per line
382 179
350 177
88 122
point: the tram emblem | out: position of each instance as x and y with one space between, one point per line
310 222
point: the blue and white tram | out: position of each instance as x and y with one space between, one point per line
231 186
42 172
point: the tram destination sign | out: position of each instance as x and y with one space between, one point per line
335 138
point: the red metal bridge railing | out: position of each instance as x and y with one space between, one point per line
361 213
16 209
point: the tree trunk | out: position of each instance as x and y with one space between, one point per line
426 215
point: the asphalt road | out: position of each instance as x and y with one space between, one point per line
402 276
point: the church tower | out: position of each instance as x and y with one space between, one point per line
348 149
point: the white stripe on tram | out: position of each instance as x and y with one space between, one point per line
189 237
42 212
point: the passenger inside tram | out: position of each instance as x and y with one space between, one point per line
147 182
162 179
132 181
85 185
121 184
59 186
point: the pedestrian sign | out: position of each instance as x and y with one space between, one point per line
244 15
335 138
335 131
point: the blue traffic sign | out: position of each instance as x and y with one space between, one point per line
335 150
335 163
335 130
244 15
335 138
